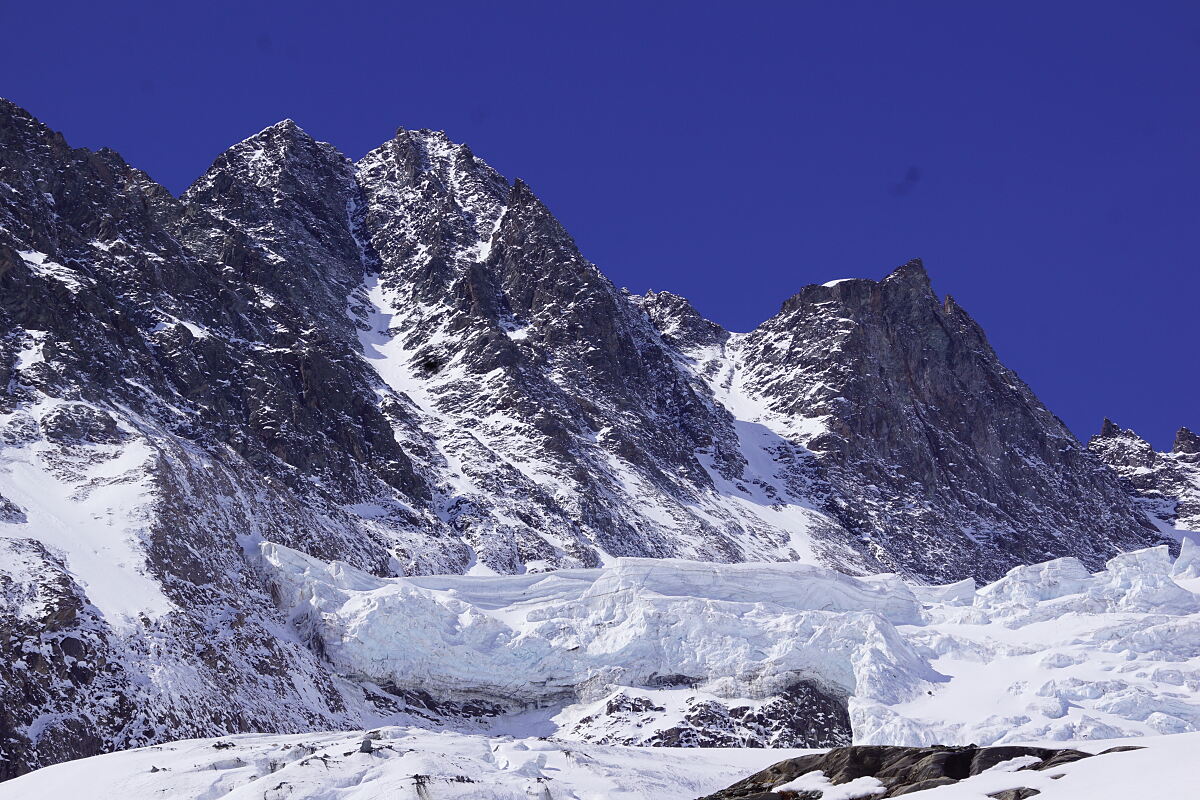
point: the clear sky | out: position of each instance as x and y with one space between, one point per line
1042 157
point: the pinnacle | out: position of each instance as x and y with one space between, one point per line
912 271
284 129
1186 442
522 193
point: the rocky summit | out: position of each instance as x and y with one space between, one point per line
405 365
1166 485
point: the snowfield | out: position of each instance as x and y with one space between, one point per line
412 763
405 763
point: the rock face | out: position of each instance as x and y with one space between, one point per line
406 365
803 715
1166 485
898 770
923 444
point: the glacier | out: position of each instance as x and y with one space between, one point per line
1051 655
1050 652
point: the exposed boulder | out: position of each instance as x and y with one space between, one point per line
898 770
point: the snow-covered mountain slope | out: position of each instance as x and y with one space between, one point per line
406 365
499 402
889 405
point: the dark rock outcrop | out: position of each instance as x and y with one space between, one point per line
1186 443
926 449
1165 485
901 770
802 716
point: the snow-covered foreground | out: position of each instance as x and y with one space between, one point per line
411 763
405 763
621 654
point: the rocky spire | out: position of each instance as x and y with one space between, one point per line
679 321
1186 442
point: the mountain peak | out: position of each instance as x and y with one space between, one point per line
285 132
678 320
1186 442
907 282
283 126
912 272
262 159
437 145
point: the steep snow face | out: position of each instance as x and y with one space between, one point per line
1049 652
87 491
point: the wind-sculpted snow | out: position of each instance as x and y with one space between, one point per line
1049 652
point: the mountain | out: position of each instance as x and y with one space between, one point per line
406 366
1165 485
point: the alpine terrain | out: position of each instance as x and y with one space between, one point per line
370 446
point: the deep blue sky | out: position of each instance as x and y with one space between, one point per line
1043 158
